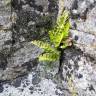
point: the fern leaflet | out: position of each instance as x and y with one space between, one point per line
61 30
49 57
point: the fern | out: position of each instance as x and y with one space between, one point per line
61 30
51 56
45 46
41 44
57 35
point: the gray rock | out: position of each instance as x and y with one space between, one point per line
29 21
84 25
89 25
81 68
86 42
83 14
1 88
21 73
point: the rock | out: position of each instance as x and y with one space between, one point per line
83 15
70 4
1 88
21 73
90 23
83 23
37 83
5 38
33 18
81 67
28 20
3 62
86 42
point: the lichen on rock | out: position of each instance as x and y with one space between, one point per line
25 20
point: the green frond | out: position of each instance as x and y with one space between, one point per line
66 29
62 19
61 30
43 45
57 35
49 57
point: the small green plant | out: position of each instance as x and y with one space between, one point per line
58 39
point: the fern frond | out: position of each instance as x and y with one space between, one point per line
43 45
62 19
49 57
61 30
58 36
66 29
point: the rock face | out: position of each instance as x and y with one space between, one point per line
21 74
29 20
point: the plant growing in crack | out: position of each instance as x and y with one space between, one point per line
59 40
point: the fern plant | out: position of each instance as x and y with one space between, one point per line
58 36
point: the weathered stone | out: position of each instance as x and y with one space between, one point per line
89 25
1 88
86 42
84 25
81 67
30 20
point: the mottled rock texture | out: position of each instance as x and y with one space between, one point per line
29 20
21 74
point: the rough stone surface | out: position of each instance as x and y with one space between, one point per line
20 72
82 67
